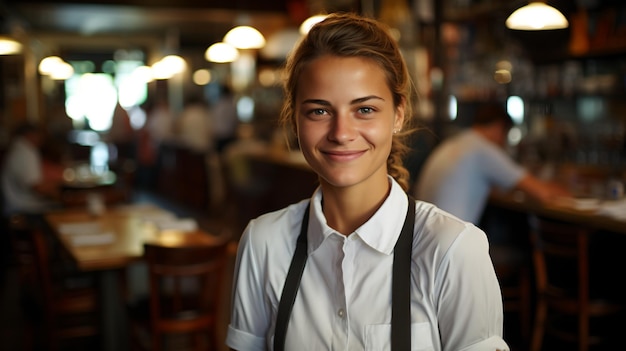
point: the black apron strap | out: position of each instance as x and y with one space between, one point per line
401 284
292 282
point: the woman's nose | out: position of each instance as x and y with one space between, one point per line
343 128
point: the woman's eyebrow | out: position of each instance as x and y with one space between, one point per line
316 101
353 102
365 98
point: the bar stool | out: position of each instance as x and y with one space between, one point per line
562 277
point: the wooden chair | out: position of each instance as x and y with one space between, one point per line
61 301
180 311
561 259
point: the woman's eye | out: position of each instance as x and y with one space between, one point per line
317 112
365 110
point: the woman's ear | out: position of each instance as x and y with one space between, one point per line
399 117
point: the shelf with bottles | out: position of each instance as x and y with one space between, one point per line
585 133
599 32
581 78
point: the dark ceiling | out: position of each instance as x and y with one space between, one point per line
188 22
74 25
100 26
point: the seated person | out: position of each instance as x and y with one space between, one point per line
460 173
28 186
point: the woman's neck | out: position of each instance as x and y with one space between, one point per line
346 209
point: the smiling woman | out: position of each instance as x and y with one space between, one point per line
346 134
359 265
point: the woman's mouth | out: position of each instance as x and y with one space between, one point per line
343 156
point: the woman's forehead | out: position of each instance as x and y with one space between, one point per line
333 74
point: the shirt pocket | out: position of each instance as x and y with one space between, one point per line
378 337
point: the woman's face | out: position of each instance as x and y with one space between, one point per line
345 120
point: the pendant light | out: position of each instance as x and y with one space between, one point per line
245 37
9 46
536 15
221 53
310 22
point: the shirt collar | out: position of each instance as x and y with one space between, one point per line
380 232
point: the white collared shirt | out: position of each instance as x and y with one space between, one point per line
22 170
344 299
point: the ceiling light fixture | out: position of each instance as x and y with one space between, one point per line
310 22
536 16
221 53
168 67
9 46
245 37
55 68
47 65
63 71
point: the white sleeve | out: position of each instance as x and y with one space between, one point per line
250 316
469 300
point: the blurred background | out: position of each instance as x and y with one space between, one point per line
178 104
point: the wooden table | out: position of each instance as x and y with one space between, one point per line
110 242
118 235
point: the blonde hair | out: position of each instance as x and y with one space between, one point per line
351 35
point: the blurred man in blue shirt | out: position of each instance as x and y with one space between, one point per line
461 172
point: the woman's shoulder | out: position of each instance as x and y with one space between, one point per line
438 230
276 226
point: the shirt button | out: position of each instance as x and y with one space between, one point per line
341 313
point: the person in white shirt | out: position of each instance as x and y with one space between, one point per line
25 187
193 126
460 173
347 97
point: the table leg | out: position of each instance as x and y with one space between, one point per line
114 320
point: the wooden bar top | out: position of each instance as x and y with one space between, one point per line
586 212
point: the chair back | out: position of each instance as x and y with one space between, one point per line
185 285
561 257
43 264
62 297
565 304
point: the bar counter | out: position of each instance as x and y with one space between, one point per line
572 211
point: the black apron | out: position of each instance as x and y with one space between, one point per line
401 284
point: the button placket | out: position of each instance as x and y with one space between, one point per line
340 334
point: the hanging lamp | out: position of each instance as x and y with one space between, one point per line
245 37
9 46
536 15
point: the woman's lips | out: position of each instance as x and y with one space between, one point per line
343 156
